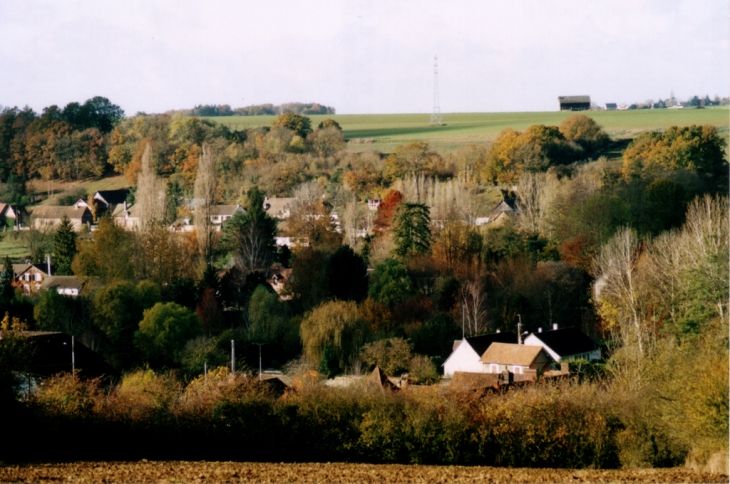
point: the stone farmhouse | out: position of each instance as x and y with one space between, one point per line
49 216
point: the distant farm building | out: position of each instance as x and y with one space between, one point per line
610 106
574 103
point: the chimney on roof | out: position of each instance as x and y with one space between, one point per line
555 326
519 329
539 330
48 261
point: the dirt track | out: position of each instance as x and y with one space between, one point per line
325 473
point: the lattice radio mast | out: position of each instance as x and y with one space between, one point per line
436 115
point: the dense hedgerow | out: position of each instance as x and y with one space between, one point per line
237 418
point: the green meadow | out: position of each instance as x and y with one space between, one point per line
386 131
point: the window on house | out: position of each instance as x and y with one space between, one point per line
37 277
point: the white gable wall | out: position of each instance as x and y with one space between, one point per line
533 340
463 358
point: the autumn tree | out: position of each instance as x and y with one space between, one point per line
327 141
108 255
334 325
163 256
392 355
457 246
699 149
584 131
301 125
412 158
329 123
64 247
387 209
311 218
163 332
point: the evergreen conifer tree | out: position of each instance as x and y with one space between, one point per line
251 237
6 285
413 230
64 247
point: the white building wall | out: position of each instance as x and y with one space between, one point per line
533 340
463 358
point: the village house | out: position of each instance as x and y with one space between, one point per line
12 216
373 203
107 201
467 352
221 213
565 344
518 359
279 208
30 277
127 217
64 285
49 216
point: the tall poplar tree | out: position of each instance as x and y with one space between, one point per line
64 247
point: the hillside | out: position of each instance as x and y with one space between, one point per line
390 130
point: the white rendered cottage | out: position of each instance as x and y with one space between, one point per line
467 352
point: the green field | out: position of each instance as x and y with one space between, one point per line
15 249
390 130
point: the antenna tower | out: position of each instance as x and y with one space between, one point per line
436 115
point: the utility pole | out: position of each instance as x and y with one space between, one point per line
436 115
260 369
233 357
73 357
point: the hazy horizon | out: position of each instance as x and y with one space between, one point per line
363 57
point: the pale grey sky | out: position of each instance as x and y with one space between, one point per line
361 56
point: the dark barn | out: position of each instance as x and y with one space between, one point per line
574 103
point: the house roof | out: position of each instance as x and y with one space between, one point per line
567 341
511 354
119 211
277 206
574 99
481 343
66 282
58 211
19 269
224 209
112 197
506 205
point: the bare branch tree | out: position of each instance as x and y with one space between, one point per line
473 302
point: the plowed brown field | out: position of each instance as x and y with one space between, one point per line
336 473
